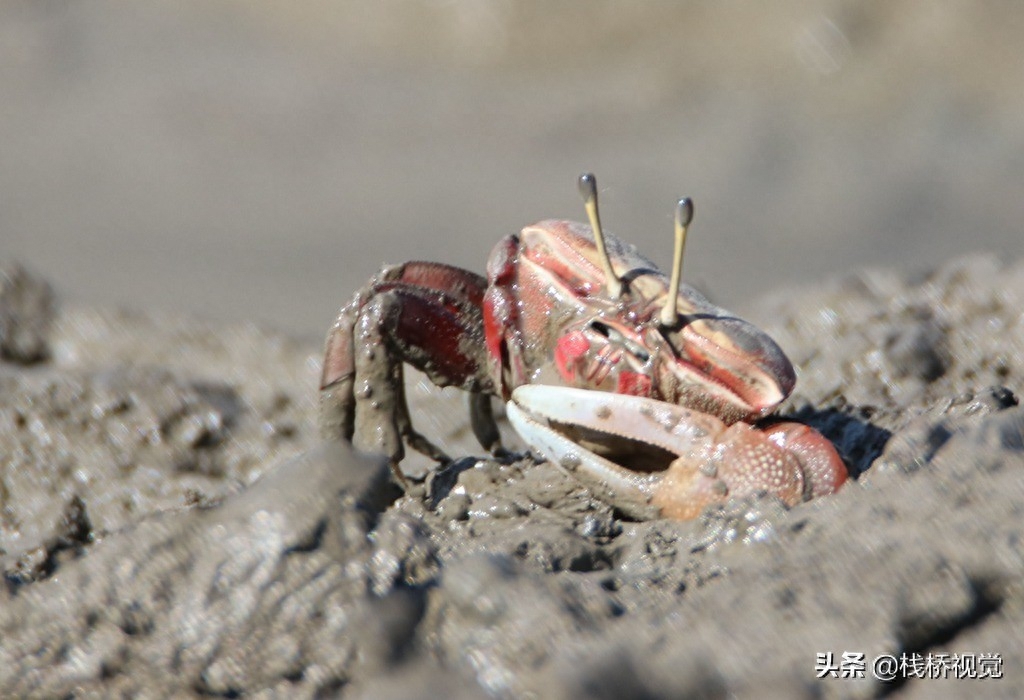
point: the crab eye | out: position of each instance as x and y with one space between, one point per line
614 336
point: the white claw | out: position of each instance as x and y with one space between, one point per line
553 420
642 454
667 426
631 491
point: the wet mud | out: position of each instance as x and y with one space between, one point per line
171 525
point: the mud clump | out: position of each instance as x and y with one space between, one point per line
26 311
171 525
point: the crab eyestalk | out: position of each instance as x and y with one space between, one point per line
588 188
684 215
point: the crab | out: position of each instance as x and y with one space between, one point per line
626 377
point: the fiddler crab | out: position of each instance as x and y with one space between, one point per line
637 384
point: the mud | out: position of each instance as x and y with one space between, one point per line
170 524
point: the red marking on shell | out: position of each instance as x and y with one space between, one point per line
634 383
569 350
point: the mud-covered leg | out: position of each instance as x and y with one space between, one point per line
337 378
426 314
337 411
377 390
481 418
416 440
337 402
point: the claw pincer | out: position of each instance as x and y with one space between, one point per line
679 461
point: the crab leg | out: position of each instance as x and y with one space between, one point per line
676 460
426 314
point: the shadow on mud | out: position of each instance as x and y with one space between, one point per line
858 441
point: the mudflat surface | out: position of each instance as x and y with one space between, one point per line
171 526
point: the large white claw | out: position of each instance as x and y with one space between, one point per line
631 449
651 457
532 412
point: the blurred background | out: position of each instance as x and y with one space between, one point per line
260 160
